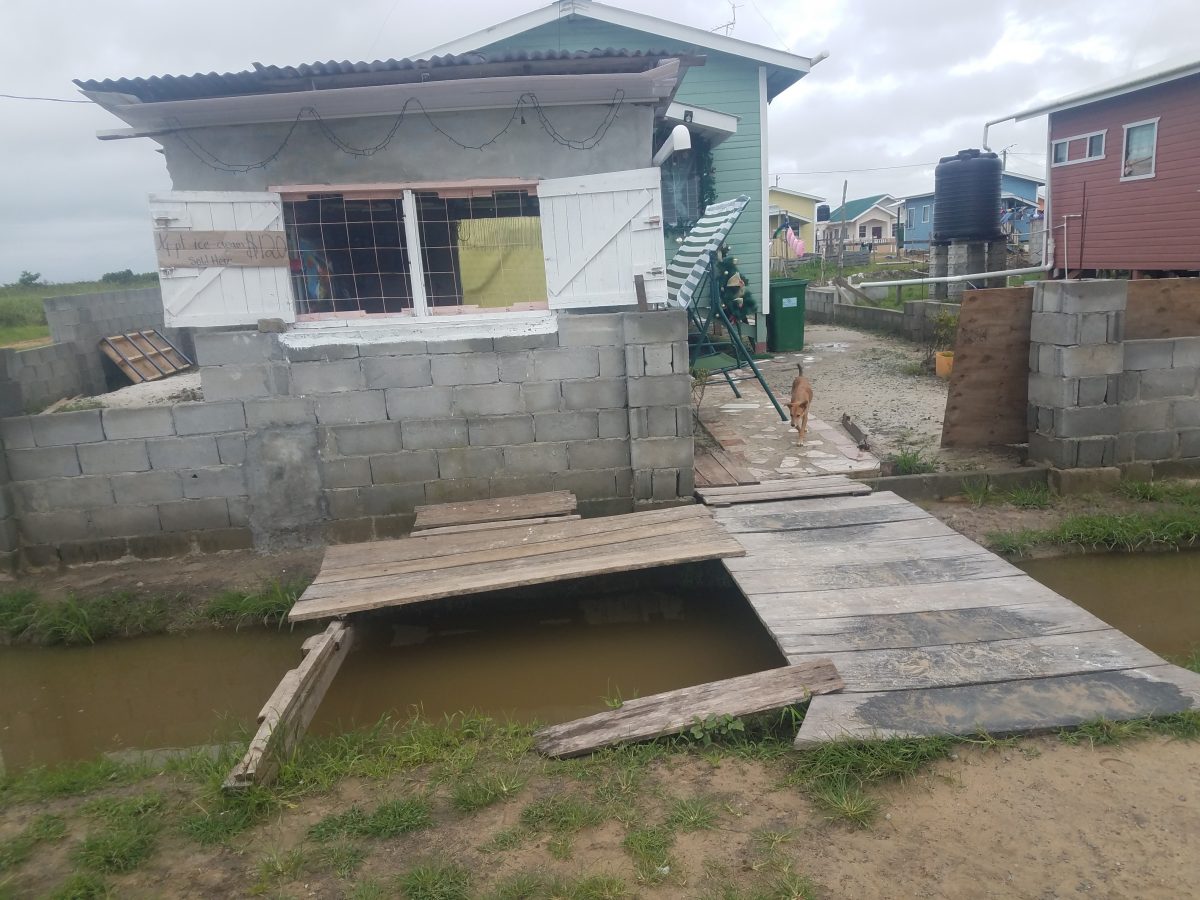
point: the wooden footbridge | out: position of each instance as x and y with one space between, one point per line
892 623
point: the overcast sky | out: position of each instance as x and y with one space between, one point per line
903 85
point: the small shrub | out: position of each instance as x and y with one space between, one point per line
269 605
910 462
977 491
475 793
436 881
1035 496
650 849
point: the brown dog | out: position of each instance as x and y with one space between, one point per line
802 395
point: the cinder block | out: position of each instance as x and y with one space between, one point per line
1093 359
124 521
244 381
597 454
367 440
1054 328
64 493
680 359
1087 421
1093 391
239 511
609 506
612 361
61 429
666 390
419 403
541 396
83 553
461 345
687 482
391 499
231 448
1053 391
635 360
582 329
147 422
662 453
614 423
321 352
220 348
465 368
517 342
350 407
1083 480
405 466
594 393
218 481
470 462
566 426
1185 413
333 377
194 515
494 431
515 485
207 418
54 527
1156 445
665 484
559 364
658 327
589 484
1159 383
349 471
1186 353
685 419
1189 443
352 531
391 348
654 421
1129 384
1088 296
658 359
278 412
1043 300
1152 416
43 462
111 457
1059 452
395 526
457 490
146 487
1149 354
16 433
433 434
221 539
183 452
1096 452
487 400
534 459
396 371
515 367
344 504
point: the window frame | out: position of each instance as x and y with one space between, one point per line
862 232
926 209
1125 150
910 216
1086 137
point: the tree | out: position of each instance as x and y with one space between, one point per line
28 279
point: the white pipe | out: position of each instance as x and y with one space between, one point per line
987 125
679 139
1047 264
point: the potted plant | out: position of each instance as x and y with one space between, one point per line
945 327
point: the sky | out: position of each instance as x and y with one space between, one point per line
904 84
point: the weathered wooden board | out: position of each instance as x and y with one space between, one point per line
143 355
766 491
869 574
179 249
815 504
989 384
1008 660
292 706
811 540
492 526
1162 308
780 484
780 520
499 509
734 466
715 467
673 711
775 552
1002 708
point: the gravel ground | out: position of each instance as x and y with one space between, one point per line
176 389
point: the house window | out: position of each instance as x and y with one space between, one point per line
1141 144
1095 146
1059 152
862 231
910 219
681 189
1087 147
477 253
895 228
924 213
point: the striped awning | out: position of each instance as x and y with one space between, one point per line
690 262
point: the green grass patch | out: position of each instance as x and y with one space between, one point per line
125 834
44 829
1164 530
538 886
1034 496
561 814
82 886
697 813
23 318
1167 491
1103 732
471 794
977 491
25 616
343 858
390 819
276 867
910 462
435 881
784 886
267 606
650 849
68 780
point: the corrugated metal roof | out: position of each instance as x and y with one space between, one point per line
272 79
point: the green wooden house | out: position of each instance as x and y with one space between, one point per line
723 101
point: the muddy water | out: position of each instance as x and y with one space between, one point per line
548 658
1152 597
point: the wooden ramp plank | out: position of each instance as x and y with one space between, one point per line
738 473
491 526
818 577
816 540
672 711
766 551
977 663
767 491
776 484
1002 708
498 509
292 706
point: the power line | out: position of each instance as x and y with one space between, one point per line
778 36
43 99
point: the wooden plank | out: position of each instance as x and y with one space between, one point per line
491 526
421 546
497 509
1002 708
978 663
816 504
292 706
423 586
933 627
775 552
776 484
673 711
868 574
711 471
182 249
807 540
832 486
341 580
737 471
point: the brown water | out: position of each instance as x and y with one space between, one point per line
1152 597
547 657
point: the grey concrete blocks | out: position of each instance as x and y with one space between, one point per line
1085 360
345 472
112 457
657 359
1053 391
658 327
16 433
1186 352
594 393
1087 421
597 454
146 487
681 362
534 459
654 421
220 348
461 346
470 462
183 452
515 367
665 485
404 467
662 453
566 426
68 428
541 396
1155 444
331 377
1152 416
207 418
392 348
396 371
1094 391
67 493
557 365
350 407
194 515
1158 383
124 521
53 527
486 400
231 448
217 481
613 423
367 440
577 329
43 462
390 499
147 422
239 382
279 411
322 352
1149 354
1086 296
494 431
434 434
589 484
419 403
518 342
612 361
1058 452
456 490
1189 443
666 390
1185 413
1054 328
465 368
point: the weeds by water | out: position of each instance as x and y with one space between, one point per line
977 491
43 829
267 606
68 780
387 820
1165 530
1184 493
123 835
1034 496
25 616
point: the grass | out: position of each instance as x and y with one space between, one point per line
68 780
977 491
388 820
1163 530
1183 493
436 881
538 886
25 616
343 859
269 605
473 794
910 462
82 886
693 814
561 814
650 849
1035 496
22 317
44 829
125 836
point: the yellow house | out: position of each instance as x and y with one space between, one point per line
801 208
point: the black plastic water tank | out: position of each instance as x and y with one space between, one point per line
823 212
966 197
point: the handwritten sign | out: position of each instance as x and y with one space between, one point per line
205 249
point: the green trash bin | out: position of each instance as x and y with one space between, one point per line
785 322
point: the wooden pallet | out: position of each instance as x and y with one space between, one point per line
500 511
144 355
715 468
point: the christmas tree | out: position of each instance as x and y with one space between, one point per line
736 298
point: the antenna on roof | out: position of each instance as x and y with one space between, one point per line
732 23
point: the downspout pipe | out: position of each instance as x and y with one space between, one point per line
987 126
1046 266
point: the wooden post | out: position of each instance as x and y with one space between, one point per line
639 287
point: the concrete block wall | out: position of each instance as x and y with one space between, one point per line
8 522
915 321
1160 400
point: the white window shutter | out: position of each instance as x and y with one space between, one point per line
222 295
598 232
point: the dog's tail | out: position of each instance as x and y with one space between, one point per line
800 367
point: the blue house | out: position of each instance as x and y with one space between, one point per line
916 216
722 99
1018 210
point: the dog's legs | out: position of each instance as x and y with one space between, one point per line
803 427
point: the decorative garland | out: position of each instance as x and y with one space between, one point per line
700 160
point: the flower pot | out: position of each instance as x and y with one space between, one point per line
943 362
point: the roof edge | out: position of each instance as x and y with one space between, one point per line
1146 78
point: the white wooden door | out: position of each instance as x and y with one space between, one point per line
598 232
222 295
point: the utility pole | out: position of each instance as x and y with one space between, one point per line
842 230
